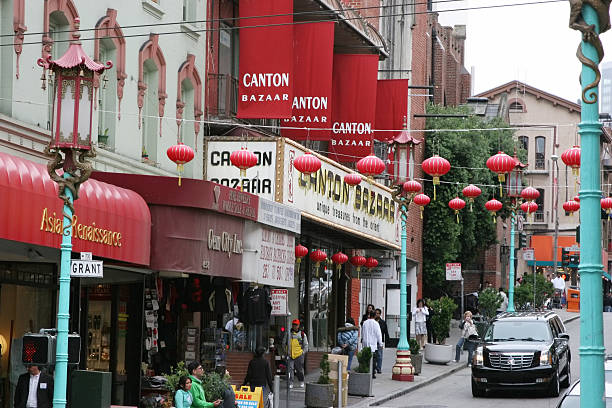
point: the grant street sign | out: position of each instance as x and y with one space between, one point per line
86 269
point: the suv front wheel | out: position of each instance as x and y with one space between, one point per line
477 390
568 379
555 386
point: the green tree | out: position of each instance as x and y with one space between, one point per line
523 294
445 240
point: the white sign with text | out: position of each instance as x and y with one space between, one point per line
279 215
279 299
453 271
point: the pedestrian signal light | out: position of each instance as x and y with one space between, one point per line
38 349
565 257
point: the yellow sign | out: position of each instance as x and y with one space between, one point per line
52 222
245 398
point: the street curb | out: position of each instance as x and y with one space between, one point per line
436 378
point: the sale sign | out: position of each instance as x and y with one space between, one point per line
312 86
266 59
279 299
353 106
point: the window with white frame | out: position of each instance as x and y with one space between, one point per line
189 10
187 127
107 97
540 152
150 122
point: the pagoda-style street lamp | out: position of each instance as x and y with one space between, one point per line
591 19
70 146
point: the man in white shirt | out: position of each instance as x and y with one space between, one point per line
34 389
371 336
504 304
559 283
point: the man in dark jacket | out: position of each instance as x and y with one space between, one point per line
259 374
385 336
34 389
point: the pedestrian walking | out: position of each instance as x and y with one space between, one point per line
468 336
371 336
504 304
259 374
419 313
182 397
365 316
348 337
431 337
196 373
385 335
297 349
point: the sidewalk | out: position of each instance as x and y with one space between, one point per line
385 389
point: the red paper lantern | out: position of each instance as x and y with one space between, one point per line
370 166
412 187
352 179
606 204
494 206
530 194
529 207
317 257
358 261
571 158
180 154
471 192
577 198
243 159
571 206
307 163
436 167
371 263
339 258
421 200
300 252
456 204
501 164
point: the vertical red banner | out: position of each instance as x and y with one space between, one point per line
353 106
266 59
313 55
391 107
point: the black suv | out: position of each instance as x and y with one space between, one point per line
526 349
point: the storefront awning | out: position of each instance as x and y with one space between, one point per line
109 221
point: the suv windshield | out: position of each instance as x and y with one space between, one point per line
513 330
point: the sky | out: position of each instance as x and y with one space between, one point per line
530 43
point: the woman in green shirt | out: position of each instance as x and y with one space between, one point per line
197 392
182 398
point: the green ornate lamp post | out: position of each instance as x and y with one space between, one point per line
514 188
70 146
590 17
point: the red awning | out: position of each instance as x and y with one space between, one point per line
109 221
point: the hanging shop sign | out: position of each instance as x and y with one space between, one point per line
391 106
353 106
266 59
269 256
366 209
384 270
312 86
279 299
260 179
279 216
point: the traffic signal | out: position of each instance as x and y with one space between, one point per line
565 258
574 259
38 349
522 240
578 233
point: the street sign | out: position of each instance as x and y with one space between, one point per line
86 256
453 271
573 248
528 254
279 299
86 269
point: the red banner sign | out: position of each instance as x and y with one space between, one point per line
391 106
353 106
312 86
266 59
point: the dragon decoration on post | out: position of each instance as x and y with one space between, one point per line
591 36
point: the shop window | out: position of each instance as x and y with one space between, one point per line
318 309
107 100
524 143
540 151
149 113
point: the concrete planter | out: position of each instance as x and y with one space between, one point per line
360 384
417 362
438 353
319 395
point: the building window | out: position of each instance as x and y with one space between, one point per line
539 214
540 150
149 113
516 107
187 129
189 10
524 143
59 28
107 98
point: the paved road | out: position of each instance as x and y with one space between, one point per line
454 391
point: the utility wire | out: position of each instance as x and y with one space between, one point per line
304 22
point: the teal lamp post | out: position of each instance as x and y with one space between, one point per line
515 184
70 146
591 19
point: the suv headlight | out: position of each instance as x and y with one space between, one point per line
546 358
478 359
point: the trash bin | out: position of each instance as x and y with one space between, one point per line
573 300
91 389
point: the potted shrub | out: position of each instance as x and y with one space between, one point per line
360 380
443 309
172 379
415 357
321 393
214 385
